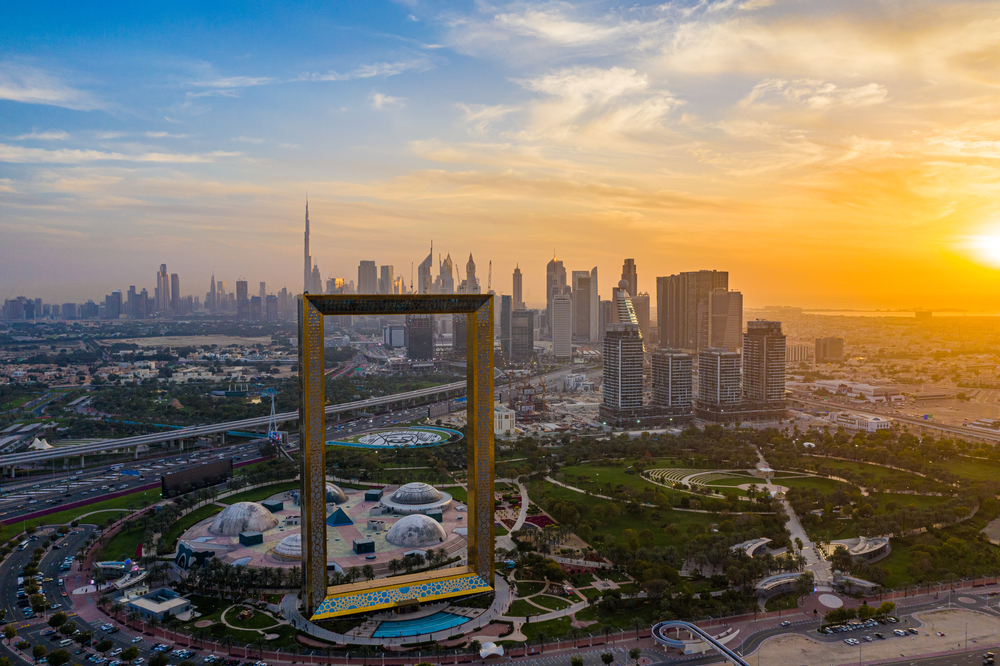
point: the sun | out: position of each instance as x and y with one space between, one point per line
986 247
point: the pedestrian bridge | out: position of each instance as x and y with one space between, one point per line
698 635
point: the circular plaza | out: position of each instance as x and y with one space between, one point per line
414 437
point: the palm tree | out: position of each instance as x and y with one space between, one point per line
368 571
394 565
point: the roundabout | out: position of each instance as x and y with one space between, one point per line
414 437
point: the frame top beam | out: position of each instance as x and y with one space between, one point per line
386 304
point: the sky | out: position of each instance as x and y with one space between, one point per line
827 154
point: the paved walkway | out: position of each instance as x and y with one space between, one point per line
505 541
501 602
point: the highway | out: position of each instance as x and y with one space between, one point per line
950 429
217 428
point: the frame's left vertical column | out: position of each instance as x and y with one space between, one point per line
312 444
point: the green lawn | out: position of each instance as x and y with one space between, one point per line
645 614
883 477
522 608
782 602
69 515
735 481
124 544
259 494
595 477
459 493
615 526
187 522
260 619
552 603
825 486
556 628
529 588
919 501
500 530
973 470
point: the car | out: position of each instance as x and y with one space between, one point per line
893 620
48 632
138 660
899 632
113 630
880 636
117 651
105 626
867 639
114 662
912 631
137 639
786 623
80 651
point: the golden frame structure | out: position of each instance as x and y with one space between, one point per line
322 601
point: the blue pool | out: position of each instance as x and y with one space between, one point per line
423 625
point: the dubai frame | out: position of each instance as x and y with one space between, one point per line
323 602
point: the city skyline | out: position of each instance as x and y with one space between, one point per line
850 147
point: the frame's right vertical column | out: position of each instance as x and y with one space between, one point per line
479 432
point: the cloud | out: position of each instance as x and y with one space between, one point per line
110 135
21 155
812 94
247 139
480 116
234 82
290 146
33 86
165 135
380 101
50 135
378 69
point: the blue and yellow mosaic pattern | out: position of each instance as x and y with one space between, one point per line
387 597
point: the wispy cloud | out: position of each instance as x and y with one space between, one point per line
234 82
479 117
812 94
34 86
380 101
50 135
248 139
378 69
21 155
165 135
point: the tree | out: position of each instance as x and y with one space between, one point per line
104 645
159 659
635 653
576 660
886 608
59 657
57 620
9 633
130 653
38 652
368 571
475 646
607 658
67 628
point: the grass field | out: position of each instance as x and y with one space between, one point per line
919 501
186 522
973 470
69 515
552 603
459 493
522 608
618 620
782 602
883 477
258 494
615 526
825 486
556 628
500 530
529 588
123 545
260 619
595 476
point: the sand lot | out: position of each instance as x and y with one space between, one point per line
193 340
984 631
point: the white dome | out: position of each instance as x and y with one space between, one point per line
416 493
289 548
334 495
243 517
415 531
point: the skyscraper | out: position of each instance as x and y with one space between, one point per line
829 349
210 298
162 289
367 278
175 293
271 308
399 286
555 284
256 308
718 383
445 282
242 302
263 291
595 307
672 381
424 280
764 365
506 308
522 336
308 283
386 280
677 299
641 304
562 326
622 381
631 276
471 281
517 293
581 304
420 337
720 320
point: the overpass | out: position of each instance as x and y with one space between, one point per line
661 637
974 434
58 453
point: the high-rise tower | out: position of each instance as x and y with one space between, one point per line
630 275
518 294
307 273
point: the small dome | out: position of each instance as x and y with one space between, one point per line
334 495
289 548
243 517
623 284
416 493
416 530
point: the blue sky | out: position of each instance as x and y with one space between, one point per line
745 135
